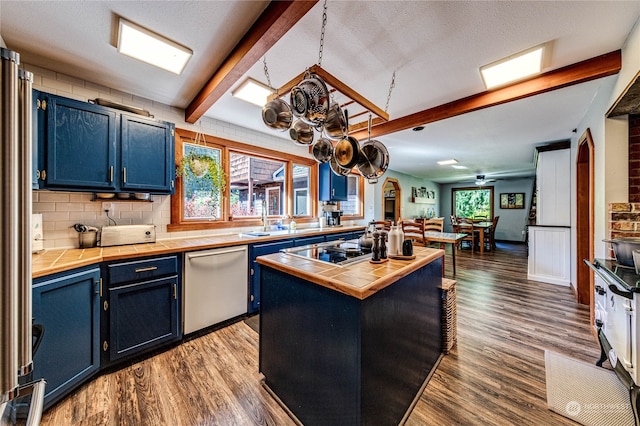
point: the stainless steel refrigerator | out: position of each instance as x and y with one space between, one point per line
16 362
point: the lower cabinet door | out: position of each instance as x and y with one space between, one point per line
68 306
142 315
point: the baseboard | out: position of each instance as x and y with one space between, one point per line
549 280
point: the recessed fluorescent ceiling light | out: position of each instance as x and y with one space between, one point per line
513 68
252 91
459 167
447 162
152 48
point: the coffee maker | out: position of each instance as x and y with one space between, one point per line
333 217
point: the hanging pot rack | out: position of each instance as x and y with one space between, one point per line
358 105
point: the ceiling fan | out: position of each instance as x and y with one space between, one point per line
481 180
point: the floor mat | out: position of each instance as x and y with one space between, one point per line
589 395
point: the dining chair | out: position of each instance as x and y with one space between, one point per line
465 225
414 230
491 240
382 225
433 224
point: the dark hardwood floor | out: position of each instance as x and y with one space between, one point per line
494 375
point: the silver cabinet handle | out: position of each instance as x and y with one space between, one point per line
150 268
195 256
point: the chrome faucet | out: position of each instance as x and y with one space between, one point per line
265 224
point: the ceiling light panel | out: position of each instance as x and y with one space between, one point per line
252 91
515 67
147 46
447 162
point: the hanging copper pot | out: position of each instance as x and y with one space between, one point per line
346 152
336 168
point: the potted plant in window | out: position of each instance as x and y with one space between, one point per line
202 173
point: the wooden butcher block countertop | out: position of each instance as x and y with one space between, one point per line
358 279
58 260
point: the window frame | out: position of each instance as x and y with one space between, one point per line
473 188
179 223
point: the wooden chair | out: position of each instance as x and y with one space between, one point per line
414 230
490 234
434 224
382 225
465 225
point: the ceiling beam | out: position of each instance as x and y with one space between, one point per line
278 18
590 69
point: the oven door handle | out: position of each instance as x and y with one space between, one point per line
615 290
612 287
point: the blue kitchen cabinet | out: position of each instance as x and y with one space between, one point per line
141 307
147 154
256 250
38 130
80 145
68 306
331 187
87 147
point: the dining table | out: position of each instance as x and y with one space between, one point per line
445 238
482 227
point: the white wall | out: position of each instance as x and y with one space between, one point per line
408 209
611 145
512 223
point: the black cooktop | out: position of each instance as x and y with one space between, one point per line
624 275
338 252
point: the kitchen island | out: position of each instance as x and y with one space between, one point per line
350 345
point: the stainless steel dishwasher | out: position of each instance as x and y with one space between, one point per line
215 286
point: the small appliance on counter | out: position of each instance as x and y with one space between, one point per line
127 234
331 214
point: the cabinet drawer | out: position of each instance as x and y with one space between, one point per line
142 269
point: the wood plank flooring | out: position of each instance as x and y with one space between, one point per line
493 376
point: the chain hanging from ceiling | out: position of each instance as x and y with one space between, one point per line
311 108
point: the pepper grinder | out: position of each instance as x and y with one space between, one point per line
375 254
383 244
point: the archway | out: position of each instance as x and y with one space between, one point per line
584 219
391 199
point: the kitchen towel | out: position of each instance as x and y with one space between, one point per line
589 395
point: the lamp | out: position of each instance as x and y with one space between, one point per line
152 48
512 68
252 91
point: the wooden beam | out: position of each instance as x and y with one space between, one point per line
278 18
590 69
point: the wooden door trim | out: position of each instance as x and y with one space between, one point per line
396 186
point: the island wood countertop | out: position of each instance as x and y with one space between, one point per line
59 260
358 279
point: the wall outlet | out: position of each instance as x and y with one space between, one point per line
107 205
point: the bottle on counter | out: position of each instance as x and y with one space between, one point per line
393 241
400 240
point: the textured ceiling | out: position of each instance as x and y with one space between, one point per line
435 48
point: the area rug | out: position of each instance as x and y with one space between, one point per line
254 323
589 395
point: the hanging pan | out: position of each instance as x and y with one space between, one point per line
277 114
336 168
347 150
301 133
335 126
322 150
373 160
